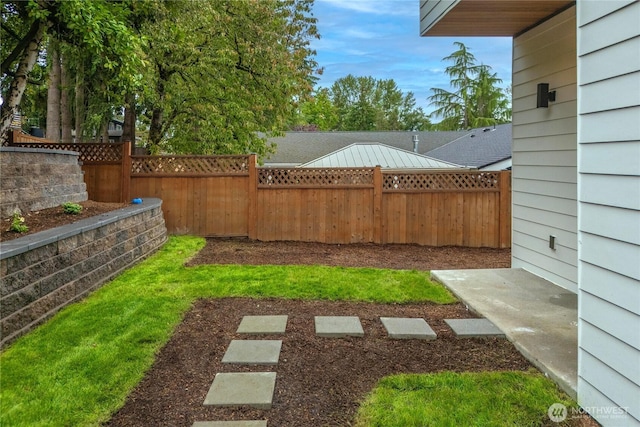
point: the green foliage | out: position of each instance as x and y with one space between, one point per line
97 34
318 111
222 72
78 368
454 399
18 224
365 103
476 100
71 208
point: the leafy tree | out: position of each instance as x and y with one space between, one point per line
365 103
476 99
97 28
223 73
317 113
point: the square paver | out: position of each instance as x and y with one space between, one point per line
338 326
254 389
468 328
408 328
261 423
263 325
253 352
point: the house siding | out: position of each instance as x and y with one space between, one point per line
431 11
609 210
544 152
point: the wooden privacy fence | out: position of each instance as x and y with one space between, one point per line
231 196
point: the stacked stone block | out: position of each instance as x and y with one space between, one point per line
44 272
33 179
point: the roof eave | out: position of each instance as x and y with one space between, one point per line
505 18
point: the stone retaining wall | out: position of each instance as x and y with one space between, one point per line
44 272
32 179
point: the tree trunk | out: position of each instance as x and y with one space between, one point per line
16 89
65 102
157 116
104 129
155 128
80 109
129 127
53 93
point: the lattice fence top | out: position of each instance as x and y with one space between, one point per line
89 152
190 165
310 177
441 181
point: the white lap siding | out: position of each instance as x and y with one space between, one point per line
544 152
609 210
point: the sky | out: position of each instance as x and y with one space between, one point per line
380 38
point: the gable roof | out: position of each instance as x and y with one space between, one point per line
479 148
301 147
371 154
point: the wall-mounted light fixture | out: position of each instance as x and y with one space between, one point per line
544 96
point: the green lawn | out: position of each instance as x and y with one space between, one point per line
78 368
460 399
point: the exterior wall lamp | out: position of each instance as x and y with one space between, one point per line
544 96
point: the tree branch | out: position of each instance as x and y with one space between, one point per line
20 47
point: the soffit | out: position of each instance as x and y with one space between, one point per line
493 17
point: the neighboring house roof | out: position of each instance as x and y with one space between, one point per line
371 154
300 147
478 149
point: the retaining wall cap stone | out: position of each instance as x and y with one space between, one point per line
33 241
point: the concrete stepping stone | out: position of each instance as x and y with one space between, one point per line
338 326
261 423
253 352
263 325
468 328
408 328
254 389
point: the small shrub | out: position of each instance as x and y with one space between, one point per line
17 224
71 208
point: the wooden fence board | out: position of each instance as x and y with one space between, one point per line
230 196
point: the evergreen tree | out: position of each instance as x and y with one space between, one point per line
476 99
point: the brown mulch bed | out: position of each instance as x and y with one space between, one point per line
54 217
320 381
412 257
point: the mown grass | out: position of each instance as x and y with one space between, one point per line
461 399
78 368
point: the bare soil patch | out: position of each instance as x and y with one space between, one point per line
46 219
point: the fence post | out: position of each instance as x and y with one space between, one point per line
505 209
377 205
252 194
126 172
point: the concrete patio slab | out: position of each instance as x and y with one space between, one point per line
338 326
254 389
472 328
537 316
253 352
408 328
263 325
261 423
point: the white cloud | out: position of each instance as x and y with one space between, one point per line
377 7
360 34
